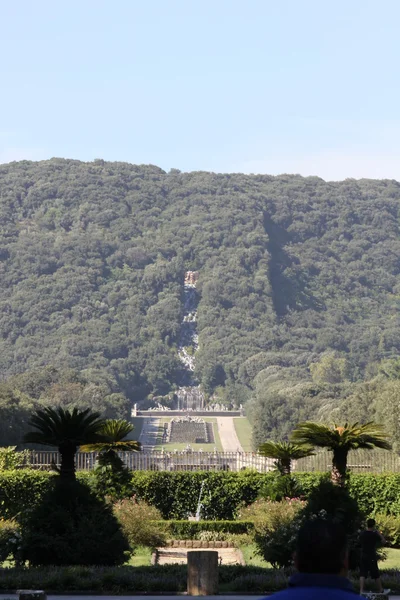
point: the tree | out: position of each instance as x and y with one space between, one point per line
113 432
67 430
284 453
340 440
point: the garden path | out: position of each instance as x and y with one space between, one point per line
227 434
226 556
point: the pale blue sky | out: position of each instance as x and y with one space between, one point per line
298 86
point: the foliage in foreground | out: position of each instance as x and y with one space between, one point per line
275 528
140 523
176 494
70 525
167 578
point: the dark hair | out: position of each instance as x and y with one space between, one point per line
321 547
371 523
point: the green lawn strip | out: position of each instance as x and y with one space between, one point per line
141 557
170 447
244 432
392 560
253 559
137 422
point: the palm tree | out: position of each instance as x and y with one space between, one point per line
284 453
113 432
66 430
340 440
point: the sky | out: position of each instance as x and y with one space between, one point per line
254 86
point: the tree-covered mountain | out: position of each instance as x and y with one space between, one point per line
299 285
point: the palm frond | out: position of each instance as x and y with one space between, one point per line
284 450
113 431
55 425
348 436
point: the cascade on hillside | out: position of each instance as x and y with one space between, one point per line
189 395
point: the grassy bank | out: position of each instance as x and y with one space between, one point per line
244 433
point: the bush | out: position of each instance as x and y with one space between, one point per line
71 526
11 459
140 523
275 525
106 480
376 493
389 526
281 487
22 489
10 540
176 494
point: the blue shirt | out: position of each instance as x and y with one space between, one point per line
313 586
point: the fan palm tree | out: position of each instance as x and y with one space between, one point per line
67 430
284 453
113 432
340 440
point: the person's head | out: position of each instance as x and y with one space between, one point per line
322 548
371 523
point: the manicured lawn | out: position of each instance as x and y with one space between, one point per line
393 559
244 433
196 447
251 558
141 558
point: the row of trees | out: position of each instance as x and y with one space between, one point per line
339 439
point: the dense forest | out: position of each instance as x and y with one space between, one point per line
299 291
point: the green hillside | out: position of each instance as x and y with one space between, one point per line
298 290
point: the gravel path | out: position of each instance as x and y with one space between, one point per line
169 556
227 433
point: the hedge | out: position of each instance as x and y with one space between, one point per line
190 530
177 494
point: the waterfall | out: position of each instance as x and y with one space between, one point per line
189 395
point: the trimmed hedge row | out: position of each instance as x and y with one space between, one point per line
190 530
177 494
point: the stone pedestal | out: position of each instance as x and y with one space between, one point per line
202 573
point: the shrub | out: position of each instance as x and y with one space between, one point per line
276 525
140 523
10 540
11 459
21 490
106 480
389 526
71 526
177 494
280 487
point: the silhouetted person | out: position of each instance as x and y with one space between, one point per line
321 559
369 541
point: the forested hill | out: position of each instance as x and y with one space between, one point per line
299 282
